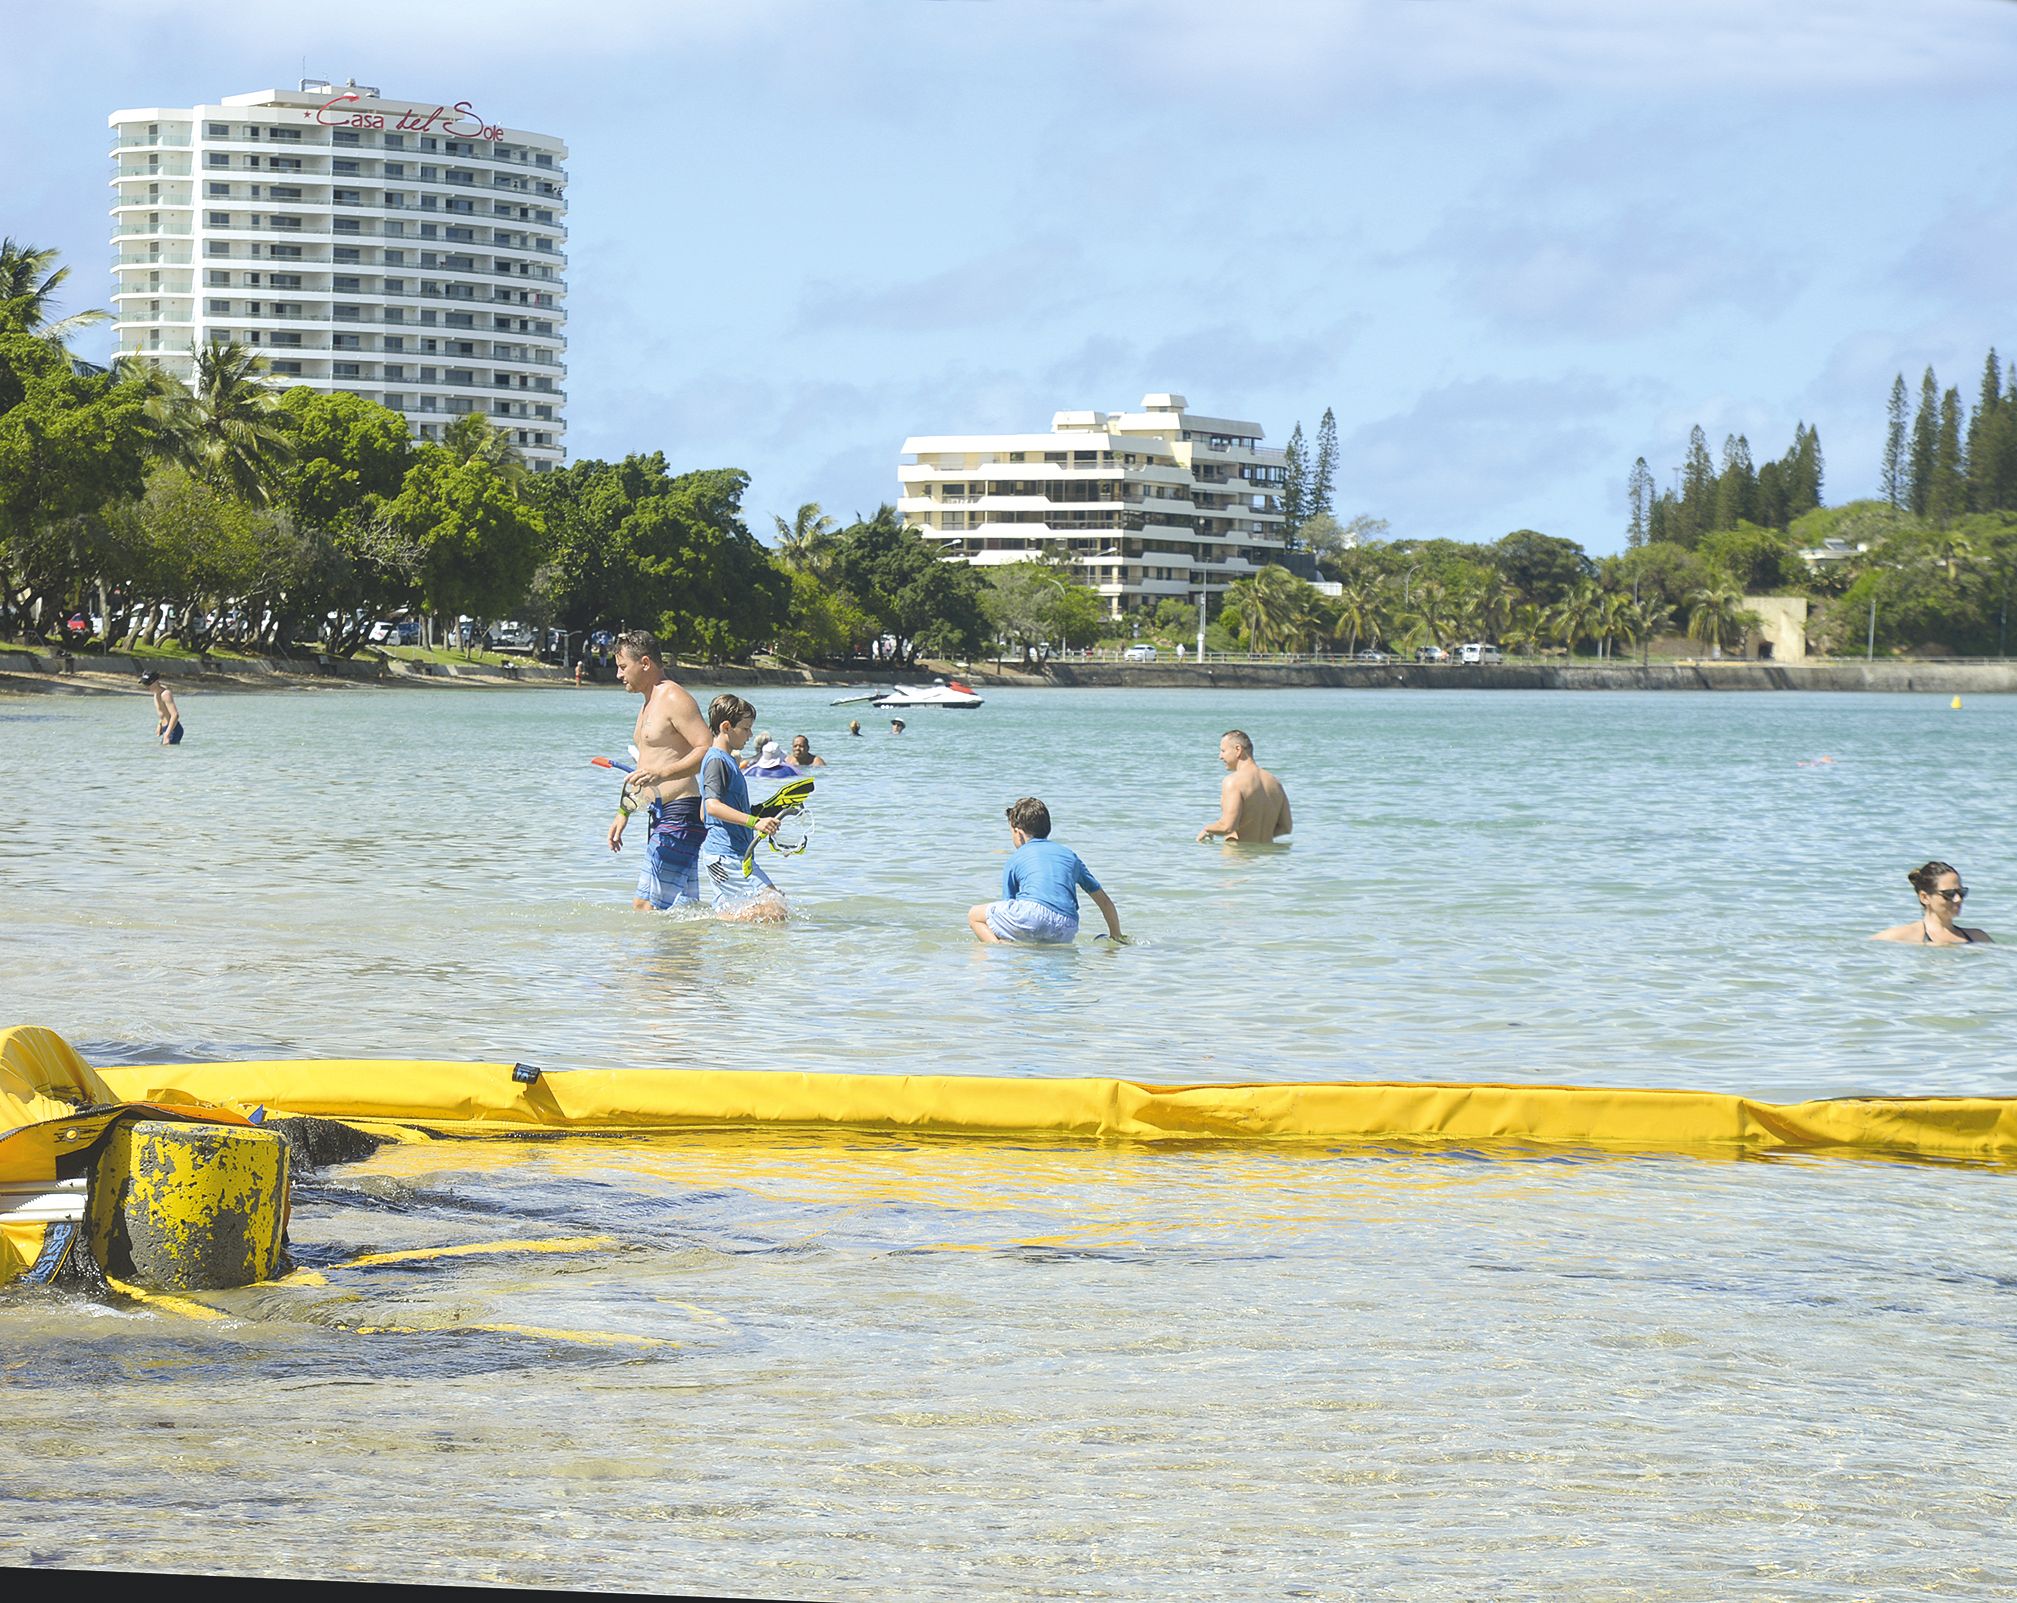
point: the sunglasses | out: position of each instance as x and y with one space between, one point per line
1958 895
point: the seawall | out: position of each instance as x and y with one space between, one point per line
1943 678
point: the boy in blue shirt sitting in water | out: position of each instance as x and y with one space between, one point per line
1040 886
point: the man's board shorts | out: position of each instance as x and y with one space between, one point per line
728 890
1033 922
671 872
175 734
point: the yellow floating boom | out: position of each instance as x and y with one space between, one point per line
486 1098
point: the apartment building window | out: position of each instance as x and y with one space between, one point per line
218 308
394 373
217 277
216 247
292 369
285 337
349 370
278 280
346 167
219 130
284 252
395 141
395 342
217 189
293 134
216 158
346 136
218 219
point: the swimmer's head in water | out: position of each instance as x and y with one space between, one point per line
1031 817
149 678
1927 875
1242 743
1926 880
728 711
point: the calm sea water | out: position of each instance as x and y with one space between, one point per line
874 1368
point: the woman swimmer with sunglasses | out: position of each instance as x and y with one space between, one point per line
1940 895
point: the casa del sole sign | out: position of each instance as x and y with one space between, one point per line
459 120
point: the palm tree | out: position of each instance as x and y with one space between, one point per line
806 542
1525 630
1614 621
239 437
1716 617
168 406
1642 620
29 280
1427 621
474 438
1356 613
1574 617
1274 608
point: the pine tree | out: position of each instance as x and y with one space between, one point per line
1982 429
1925 442
1296 483
1736 485
1698 489
1662 518
1639 492
1323 478
1893 478
1948 496
1803 494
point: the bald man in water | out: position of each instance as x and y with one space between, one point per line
1253 807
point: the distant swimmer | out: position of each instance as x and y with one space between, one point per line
672 741
896 726
1941 894
854 726
757 745
737 889
801 753
167 716
1253 807
1040 887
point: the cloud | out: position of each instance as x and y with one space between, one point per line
1471 456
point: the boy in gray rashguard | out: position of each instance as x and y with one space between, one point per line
1040 885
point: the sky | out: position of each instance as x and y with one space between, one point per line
1513 244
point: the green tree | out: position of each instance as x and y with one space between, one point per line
474 438
70 445
1577 616
29 284
1659 570
1541 567
1947 497
479 545
1737 485
1030 603
1274 609
1323 477
1698 489
806 542
1295 483
1639 495
928 605
822 624
235 430
1896 470
1925 446
1717 617
1756 561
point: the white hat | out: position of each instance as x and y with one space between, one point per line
772 756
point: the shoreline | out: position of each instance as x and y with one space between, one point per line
29 672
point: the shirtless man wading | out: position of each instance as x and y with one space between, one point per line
672 740
1252 804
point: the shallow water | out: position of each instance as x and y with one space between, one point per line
1607 888
867 1368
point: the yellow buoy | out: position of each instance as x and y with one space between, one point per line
1955 703
189 1207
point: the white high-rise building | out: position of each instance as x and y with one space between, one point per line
406 251
1144 506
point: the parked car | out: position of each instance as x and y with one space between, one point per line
1141 652
395 632
1477 651
509 636
1431 654
1373 654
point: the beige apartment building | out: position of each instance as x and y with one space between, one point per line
1145 506
409 251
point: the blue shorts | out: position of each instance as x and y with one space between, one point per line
671 873
175 734
1033 922
727 889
